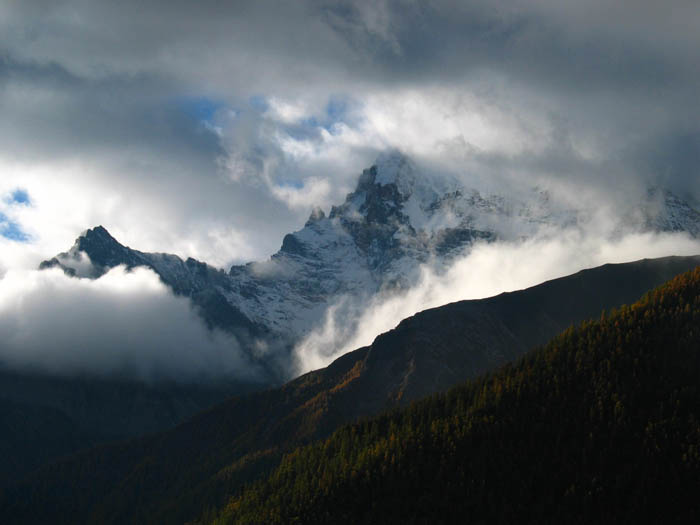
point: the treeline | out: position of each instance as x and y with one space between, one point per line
602 425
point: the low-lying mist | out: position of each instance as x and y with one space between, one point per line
125 323
487 269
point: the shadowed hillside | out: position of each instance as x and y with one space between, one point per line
602 425
208 458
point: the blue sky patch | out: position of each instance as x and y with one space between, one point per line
200 108
289 183
259 103
337 109
12 230
311 122
19 196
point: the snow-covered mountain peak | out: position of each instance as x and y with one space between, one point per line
397 219
397 169
394 191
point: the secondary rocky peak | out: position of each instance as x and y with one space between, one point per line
315 216
101 247
94 238
93 253
99 231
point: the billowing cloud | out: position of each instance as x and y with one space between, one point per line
487 270
124 323
187 126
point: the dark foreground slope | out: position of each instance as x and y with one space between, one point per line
171 477
44 416
600 426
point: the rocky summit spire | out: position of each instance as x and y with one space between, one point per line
394 167
92 253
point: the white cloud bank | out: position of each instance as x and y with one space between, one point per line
126 323
487 270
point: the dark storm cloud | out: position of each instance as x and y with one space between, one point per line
624 76
50 111
252 45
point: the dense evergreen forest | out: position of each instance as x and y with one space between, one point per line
602 425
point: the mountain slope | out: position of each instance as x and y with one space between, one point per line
208 458
600 426
44 417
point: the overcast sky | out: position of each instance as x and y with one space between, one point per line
210 129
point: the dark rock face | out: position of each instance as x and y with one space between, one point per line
291 245
453 239
105 251
379 218
55 263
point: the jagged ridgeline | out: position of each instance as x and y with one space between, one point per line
602 425
397 219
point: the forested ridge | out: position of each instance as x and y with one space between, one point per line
601 425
